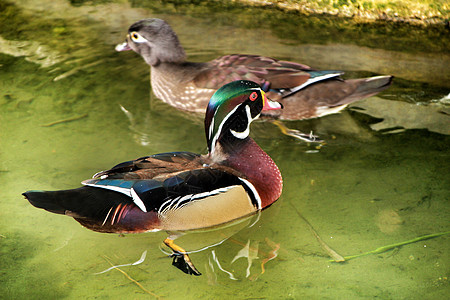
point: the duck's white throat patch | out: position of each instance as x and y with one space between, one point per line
244 134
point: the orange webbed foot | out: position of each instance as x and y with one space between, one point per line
181 259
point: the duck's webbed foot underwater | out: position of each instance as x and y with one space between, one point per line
306 137
181 259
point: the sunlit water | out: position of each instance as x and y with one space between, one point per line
382 177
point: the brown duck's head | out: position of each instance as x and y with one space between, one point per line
155 41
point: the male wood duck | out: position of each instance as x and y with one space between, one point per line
304 92
182 191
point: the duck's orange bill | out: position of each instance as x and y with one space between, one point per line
270 105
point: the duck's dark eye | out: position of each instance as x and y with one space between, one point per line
253 96
136 37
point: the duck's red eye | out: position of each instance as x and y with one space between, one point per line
253 96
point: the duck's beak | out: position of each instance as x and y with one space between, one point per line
270 105
124 46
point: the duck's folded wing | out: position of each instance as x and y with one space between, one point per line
163 194
267 72
148 167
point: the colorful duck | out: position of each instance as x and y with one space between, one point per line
182 191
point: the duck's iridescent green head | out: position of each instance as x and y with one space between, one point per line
231 110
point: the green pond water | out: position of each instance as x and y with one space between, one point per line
382 178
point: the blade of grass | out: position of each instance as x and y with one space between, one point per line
400 244
64 120
333 254
132 280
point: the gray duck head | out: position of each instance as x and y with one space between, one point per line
155 41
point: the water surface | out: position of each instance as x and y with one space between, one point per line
381 178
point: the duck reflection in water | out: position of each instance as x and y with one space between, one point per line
210 239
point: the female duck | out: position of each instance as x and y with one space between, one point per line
182 191
304 92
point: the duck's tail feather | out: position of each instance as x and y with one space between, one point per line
97 209
367 87
83 202
334 95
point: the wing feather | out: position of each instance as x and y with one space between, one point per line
163 194
268 72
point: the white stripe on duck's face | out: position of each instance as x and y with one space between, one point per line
244 134
220 129
137 38
231 110
209 211
235 126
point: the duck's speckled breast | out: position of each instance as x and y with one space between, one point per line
179 91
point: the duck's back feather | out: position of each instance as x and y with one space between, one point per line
266 71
